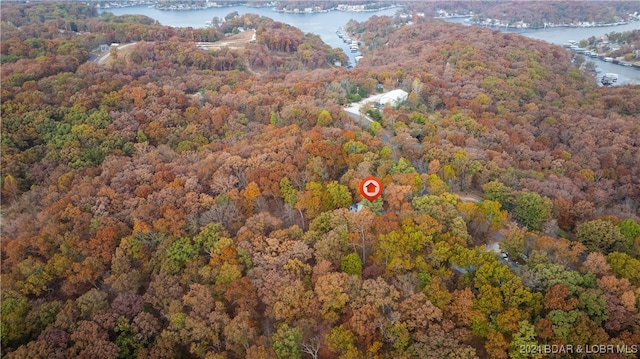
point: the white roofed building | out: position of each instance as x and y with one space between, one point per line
393 98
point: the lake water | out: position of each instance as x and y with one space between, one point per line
325 25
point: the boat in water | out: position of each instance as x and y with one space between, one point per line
609 79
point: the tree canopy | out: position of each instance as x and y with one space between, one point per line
179 202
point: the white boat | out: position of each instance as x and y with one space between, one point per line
609 78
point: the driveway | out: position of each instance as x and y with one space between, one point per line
104 57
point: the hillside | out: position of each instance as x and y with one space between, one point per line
192 203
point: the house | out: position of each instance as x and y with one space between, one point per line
393 98
104 47
356 207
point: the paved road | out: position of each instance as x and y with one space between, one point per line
104 57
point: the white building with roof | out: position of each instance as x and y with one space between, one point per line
392 98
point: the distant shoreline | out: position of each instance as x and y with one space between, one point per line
337 8
526 26
184 7
551 26
352 8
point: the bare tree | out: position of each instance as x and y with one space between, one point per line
311 347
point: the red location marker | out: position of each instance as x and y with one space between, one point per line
371 188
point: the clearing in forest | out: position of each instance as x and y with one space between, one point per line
236 41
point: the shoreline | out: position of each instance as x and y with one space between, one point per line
554 26
526 26
285 11
350 8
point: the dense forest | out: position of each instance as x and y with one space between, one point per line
177 202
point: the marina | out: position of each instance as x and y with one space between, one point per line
595 55
354 46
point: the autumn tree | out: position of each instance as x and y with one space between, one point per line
286 342
532 210
497 191
331 291
600 236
